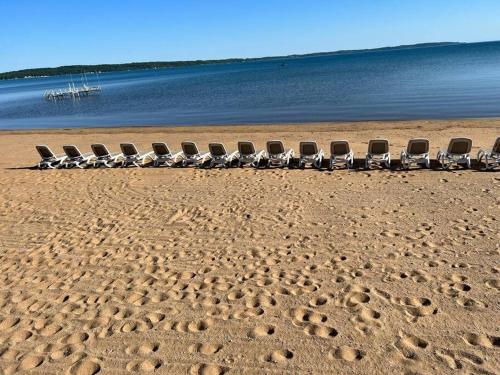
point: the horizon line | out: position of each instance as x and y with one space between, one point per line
229 59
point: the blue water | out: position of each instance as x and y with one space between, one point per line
437 82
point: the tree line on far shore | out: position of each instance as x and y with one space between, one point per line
78 69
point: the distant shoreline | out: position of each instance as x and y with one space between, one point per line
101 68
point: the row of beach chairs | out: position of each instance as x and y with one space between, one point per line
275 155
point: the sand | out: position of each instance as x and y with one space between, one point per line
249 271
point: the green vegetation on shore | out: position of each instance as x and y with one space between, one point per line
77 69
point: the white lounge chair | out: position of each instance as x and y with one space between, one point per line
191 154
102 156
248 154
219 155
277 155
378 153
341 153
132 156
490 158
417 152
74 158
163 155
458 152
49 159
309 153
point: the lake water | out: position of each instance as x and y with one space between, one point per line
438 82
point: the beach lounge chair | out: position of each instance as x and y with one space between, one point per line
49 159
490 158
102 156
219 155
74 158
277 155
417 152
378 153
309 153
131 156
248 154
341 153
163 155
191 154
458 152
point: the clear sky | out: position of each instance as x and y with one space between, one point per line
36 33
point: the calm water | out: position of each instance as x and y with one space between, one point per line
438 82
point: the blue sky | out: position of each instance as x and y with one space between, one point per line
52 33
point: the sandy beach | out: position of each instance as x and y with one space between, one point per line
269 271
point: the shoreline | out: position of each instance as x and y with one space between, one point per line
321 126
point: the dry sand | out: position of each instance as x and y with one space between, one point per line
249 271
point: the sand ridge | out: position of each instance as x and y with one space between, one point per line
249 271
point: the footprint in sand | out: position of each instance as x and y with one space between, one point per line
75 338
50 330
190 326
29 362
261 300
235 295
63 351
453 289
143 349
320 331
277 356
346 353
448 358
302 315
470 303
207 369
84 366
482 340
493 284
148 365
416 307
135 326
408 345
205 348
247 313
320 300
262 331
154 317
9 322
356 297
20 336
366 320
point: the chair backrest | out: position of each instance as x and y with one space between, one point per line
72 151
160 149
128 149
496 146
275 147
189 148
460 146
217 149
340 147
418 146
308 148
246 148
378 146
45 152
99 150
